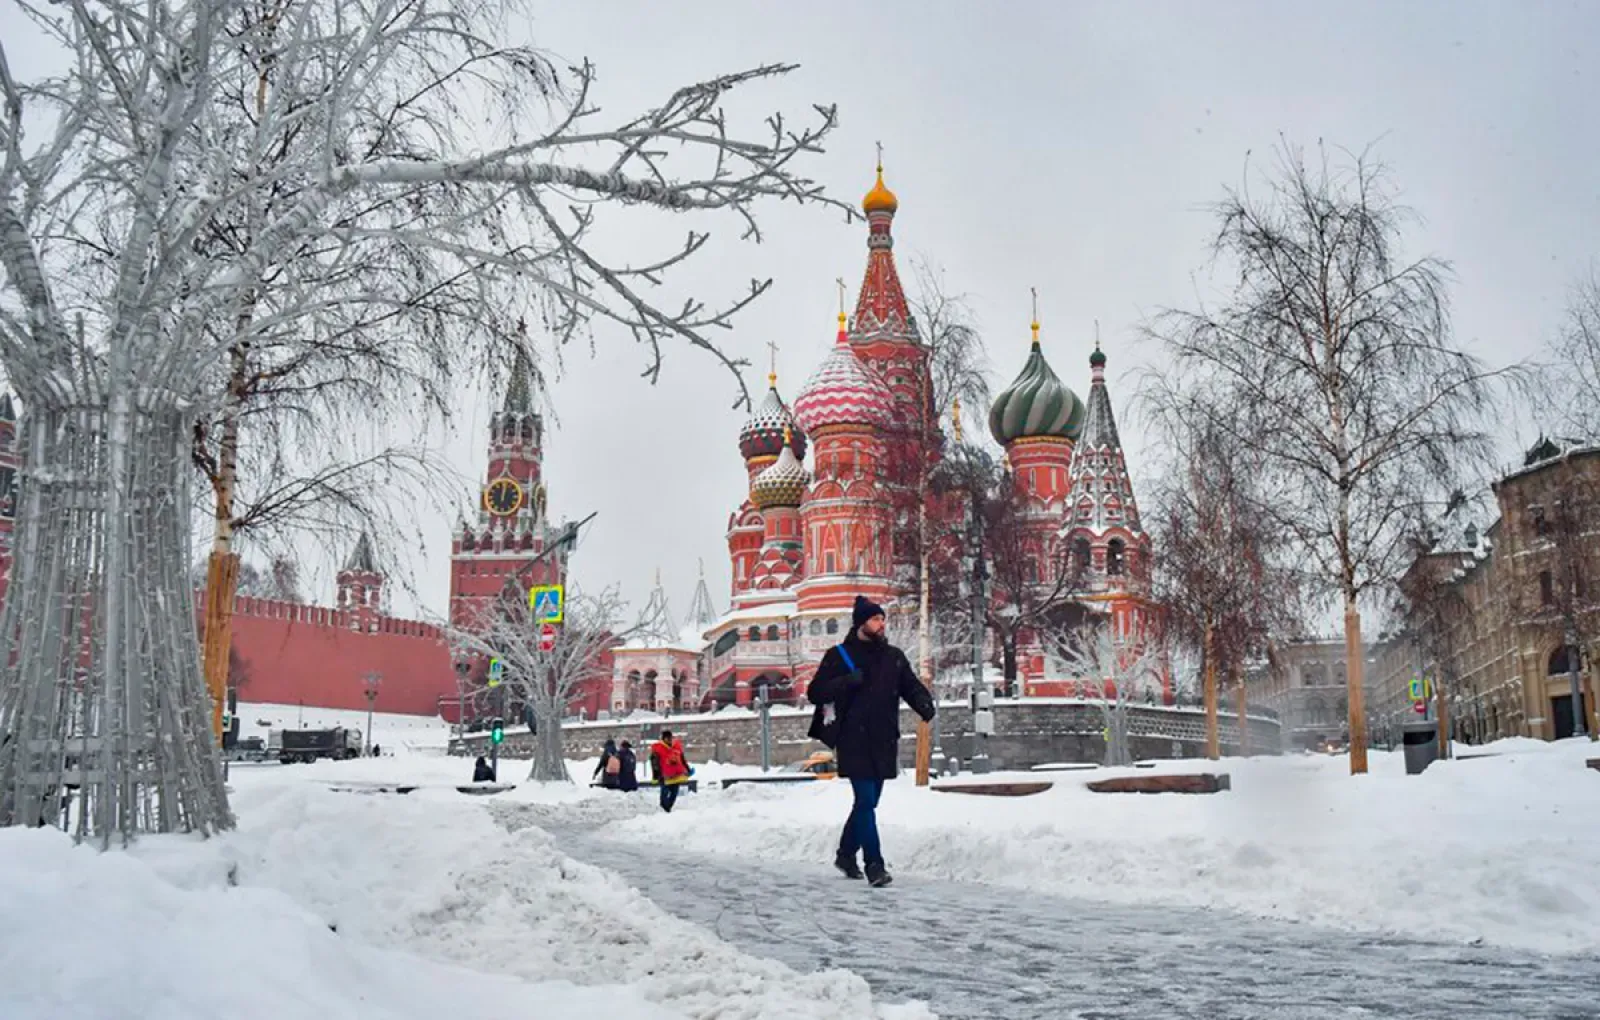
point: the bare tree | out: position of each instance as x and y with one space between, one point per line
1112 674
121 308
1031 584
549 680
1571 378
1331 359
1224 578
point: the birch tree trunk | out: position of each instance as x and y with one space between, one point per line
222 566
1213 728
1355 668
1242 707
925 646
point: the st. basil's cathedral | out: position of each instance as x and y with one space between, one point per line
804 543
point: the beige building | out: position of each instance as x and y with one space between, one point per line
1315 701
1495 619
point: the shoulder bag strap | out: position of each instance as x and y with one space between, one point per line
848 662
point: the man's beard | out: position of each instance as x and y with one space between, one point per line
878 636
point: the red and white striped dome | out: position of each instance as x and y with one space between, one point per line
843 391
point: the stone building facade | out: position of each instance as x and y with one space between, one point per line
1497 618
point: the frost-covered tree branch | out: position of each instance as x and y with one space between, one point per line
549 681
1113 675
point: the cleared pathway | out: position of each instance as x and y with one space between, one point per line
976 952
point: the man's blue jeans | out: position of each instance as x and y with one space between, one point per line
861 829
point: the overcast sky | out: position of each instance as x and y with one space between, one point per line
1070 147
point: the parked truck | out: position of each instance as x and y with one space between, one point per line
338 743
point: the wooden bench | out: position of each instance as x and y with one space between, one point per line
1593 763
1204 782
370 788
994 789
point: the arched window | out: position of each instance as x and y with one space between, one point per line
833 626
1082 555
1562 661
816 627
1116 554
1316 712
754 634
772 632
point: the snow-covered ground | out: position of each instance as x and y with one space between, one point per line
345 904
1492 849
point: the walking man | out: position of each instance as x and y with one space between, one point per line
865 678
671 768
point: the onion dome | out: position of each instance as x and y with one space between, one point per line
880 198
1037 404
781 484
763 432
843 391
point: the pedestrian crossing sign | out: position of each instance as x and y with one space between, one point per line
547 602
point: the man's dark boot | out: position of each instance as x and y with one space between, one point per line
877 875
847 865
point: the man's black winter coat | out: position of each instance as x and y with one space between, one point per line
868 705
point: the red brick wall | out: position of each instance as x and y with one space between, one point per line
292 653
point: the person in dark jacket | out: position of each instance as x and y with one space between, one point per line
610 766
627 777
481 772
865 678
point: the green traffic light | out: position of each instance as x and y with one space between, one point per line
497 731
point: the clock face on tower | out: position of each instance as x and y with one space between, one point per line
503 497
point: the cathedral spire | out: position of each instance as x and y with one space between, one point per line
361 558
519 391
881 307
702 614
1102 490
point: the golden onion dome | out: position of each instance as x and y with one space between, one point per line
880 198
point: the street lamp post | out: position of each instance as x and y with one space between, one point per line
373 679
764 700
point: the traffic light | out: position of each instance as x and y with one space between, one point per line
497 730
227 720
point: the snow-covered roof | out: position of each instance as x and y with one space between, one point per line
781 609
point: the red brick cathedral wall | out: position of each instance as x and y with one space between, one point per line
288 653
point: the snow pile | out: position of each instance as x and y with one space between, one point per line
112 936
389 907
1482 849
434 874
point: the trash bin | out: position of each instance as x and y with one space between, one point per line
1421 741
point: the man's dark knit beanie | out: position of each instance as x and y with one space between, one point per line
865 610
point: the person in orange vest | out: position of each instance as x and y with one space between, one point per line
670 766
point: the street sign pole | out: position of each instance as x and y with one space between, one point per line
496 672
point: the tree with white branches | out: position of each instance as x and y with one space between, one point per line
150 234
549 680
1112 674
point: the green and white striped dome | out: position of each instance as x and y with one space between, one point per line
1036 404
